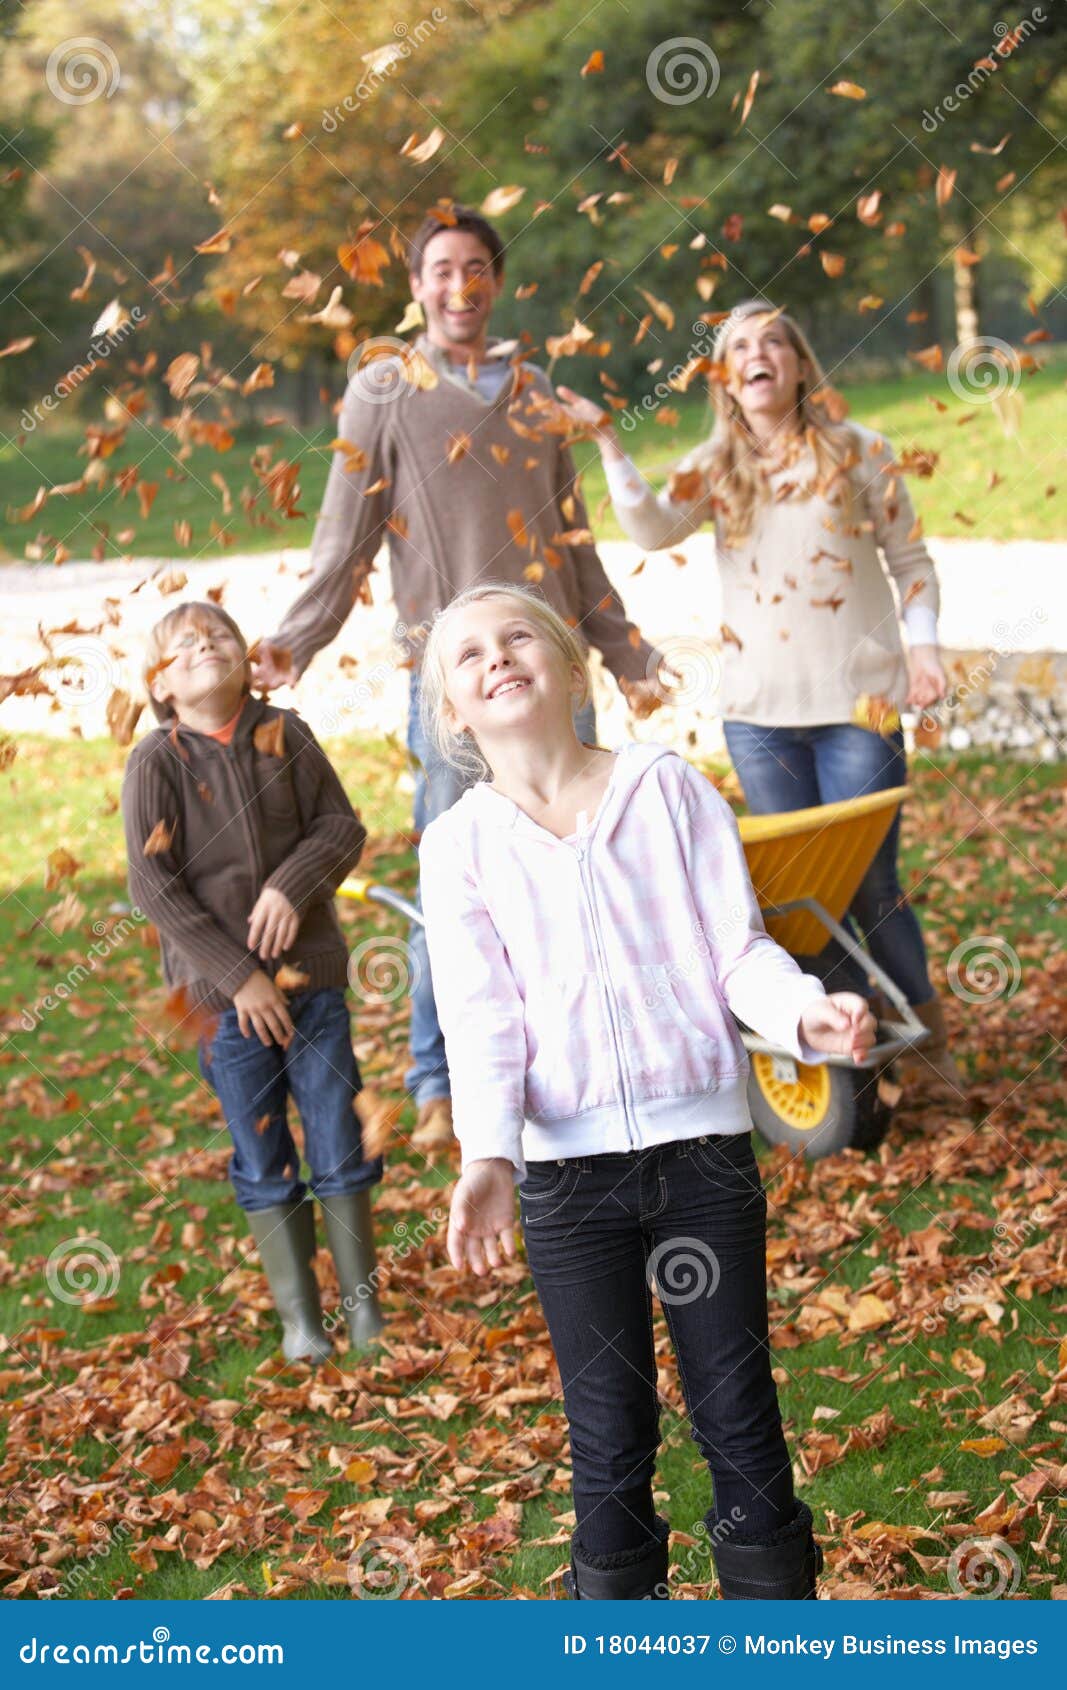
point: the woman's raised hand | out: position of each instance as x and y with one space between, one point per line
926 678
590 417
481 1223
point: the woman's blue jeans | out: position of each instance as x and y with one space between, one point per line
792 768
437 787
254 1082
690 1218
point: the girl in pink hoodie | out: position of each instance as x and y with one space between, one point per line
592 933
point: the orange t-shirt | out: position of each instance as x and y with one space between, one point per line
228 729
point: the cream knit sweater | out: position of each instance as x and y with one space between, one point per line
810 620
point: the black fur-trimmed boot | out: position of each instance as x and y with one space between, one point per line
631 1575
783 1566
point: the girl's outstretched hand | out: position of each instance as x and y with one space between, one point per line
481 1223
841 1024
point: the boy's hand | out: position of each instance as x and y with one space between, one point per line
841 1024
482 1218
262 1009
273 924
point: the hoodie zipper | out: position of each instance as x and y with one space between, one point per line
586 880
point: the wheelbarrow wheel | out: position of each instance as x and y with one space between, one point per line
816 1108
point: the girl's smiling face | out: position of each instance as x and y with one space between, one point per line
502 672
763 368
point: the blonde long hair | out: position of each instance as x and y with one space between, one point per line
462 751
730 461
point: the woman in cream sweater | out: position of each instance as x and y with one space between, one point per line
812 519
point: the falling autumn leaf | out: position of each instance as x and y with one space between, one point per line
422 151
848 90
269 736
750 95
159 840
500 200
946 182
594 64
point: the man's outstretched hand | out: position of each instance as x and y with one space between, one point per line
272 666
481 1223
840 1024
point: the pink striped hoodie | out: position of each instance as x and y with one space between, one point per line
587 987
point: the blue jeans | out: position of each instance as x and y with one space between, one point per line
437 787
792 768
691 1216
253 1083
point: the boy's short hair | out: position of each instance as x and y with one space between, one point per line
163 632
464 218
461 751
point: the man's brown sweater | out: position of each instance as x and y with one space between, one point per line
208 826
465 490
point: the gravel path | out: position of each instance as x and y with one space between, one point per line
995 598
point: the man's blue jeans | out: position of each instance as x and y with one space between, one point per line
689 1217
253 1083
437 788
792 768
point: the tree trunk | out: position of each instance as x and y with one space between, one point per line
965 297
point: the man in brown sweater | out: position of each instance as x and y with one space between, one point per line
455 454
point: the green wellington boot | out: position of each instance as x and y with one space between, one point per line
285 1235
350 1231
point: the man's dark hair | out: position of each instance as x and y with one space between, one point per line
460 217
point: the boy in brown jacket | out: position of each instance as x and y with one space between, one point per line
238 833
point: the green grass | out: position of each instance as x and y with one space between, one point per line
957 501
110 1134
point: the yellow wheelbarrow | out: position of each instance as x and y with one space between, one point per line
806 866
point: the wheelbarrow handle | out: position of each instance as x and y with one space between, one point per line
364 891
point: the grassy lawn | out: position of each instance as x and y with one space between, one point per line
156 1445
974 450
